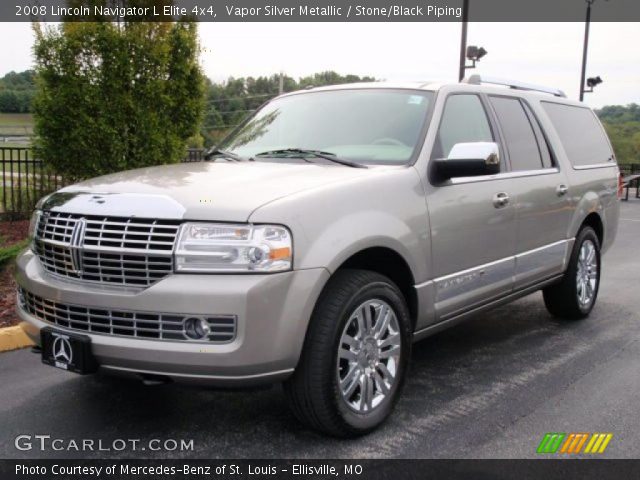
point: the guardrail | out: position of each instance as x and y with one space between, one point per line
26 179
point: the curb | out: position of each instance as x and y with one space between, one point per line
12 338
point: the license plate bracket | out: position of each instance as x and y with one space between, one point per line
67 351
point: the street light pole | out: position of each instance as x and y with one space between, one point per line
584 48
463 39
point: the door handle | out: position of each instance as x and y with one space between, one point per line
500 199
562 189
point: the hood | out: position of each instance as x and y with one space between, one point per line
198 191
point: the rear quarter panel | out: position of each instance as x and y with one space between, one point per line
595 190
591 189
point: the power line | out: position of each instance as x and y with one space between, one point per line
235 111
219 127
215 100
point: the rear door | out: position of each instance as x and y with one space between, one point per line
473 235
541 192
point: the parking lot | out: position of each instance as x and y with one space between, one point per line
491 387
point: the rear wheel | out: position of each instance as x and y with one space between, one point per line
574 297
355 355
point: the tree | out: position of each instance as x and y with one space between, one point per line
229 103
623 127
114 96
620 113
16 92
9 102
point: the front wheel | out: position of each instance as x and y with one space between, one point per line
574 297
355 355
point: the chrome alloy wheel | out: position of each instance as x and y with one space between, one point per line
369 355
587 275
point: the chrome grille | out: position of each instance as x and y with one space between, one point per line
131 233
162 326
112 250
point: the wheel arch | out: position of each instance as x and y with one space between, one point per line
588 211
594 221
390 263
591 219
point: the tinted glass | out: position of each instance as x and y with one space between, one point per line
580 132
522 145
463 120
545 151
368 126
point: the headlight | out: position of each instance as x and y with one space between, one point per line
33 224
210 247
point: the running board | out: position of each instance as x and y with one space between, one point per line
450 322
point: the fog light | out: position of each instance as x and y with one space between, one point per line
21 300
196 328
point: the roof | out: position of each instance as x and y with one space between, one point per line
415 85
473 84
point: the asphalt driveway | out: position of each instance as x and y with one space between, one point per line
491 387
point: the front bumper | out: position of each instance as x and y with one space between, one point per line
273 312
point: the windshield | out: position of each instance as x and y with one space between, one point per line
365 126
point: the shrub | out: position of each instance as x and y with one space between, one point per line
114 96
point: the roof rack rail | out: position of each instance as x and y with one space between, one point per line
478 80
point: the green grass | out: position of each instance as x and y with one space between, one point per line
14 145
20 124
18 119
9 253
6 155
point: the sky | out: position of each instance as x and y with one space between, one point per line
543 53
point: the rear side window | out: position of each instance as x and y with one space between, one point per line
522 143
581 135
545 151
463 120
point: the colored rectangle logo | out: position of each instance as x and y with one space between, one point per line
574 443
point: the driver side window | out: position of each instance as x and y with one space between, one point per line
463 120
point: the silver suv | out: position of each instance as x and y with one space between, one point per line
325 235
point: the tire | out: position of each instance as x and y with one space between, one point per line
574 297
314 390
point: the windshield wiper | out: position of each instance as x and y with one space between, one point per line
217 153
304 152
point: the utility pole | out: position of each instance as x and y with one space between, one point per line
463 39
584 48
281 84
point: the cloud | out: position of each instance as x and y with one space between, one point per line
545 53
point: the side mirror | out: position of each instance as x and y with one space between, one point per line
469 160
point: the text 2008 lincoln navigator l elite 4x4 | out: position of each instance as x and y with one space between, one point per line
323 236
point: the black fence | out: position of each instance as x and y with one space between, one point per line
630 169
26 179
194 155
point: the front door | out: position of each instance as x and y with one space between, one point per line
472 219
